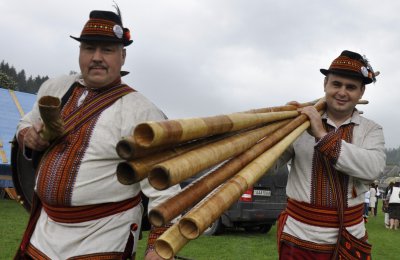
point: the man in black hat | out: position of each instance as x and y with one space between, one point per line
331 168
80 210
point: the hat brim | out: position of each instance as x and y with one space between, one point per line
347 73
123 73
101 39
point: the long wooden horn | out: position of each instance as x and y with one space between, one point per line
127 149
177 169
194 192
198 189
292 107
152 134
282 108
170 242
49 109
200 217
136 169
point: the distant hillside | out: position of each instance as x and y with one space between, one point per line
11 79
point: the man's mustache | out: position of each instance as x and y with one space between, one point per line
97 66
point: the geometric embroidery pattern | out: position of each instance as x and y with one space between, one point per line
60 164
59 167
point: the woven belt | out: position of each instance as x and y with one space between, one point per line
323 216
90 212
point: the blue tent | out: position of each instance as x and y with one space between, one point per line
13 105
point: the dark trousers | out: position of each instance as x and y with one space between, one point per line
366 209
376 207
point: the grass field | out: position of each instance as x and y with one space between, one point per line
234 244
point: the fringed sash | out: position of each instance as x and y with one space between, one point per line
326 155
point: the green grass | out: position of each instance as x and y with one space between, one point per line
234 244
385 242
13 220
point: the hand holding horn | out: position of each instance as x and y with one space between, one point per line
49 109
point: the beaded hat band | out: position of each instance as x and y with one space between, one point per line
352 64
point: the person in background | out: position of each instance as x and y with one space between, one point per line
372 199
378 195
80 209
333 165
367 196
385 207
394 205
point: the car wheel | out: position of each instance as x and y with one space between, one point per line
260 228
216 228
265 228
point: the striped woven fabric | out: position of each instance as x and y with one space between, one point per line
60 164
346 63
323 216
97 103
306 245
326 154
90 212
35 253
99 27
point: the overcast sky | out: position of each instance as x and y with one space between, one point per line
210 57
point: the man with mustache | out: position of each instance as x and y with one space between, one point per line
331 169
80 210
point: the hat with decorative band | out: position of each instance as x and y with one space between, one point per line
105 26
352 64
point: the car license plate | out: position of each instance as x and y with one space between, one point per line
266 193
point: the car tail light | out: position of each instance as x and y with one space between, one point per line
247 196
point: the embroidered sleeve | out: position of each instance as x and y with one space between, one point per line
330 145
155 232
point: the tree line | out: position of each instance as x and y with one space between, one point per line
10 78
393 156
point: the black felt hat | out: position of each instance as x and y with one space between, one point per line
104 26
352 64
